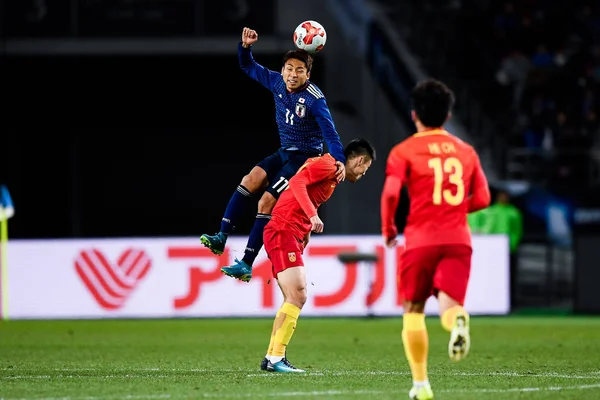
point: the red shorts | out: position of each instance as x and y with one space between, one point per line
424 271
283 248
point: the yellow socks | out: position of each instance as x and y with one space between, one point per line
272 341
449 316
284 326
416 340
416 344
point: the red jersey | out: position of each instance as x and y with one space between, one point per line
312 185
445 182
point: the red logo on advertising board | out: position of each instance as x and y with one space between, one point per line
111 283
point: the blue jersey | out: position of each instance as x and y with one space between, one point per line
303 118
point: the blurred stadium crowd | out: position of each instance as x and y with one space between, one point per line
531 66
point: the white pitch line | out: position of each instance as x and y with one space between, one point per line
130 369
131 373
127 374
144 369
314 393
592 375
125 396
530 389
399 373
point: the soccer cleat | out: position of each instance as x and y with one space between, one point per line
240 270
216 243
283 366
287 362
460 340
421 393
264 363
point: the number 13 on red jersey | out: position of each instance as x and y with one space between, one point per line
449 170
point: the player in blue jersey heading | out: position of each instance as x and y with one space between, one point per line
304 123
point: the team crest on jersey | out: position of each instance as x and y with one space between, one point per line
292 257
300 110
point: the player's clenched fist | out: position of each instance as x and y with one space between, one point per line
249 37
317 224
389 236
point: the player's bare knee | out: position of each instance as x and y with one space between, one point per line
446 302
302 296
250 183
255 180
295 293
298 296
266 203
414 307
292 282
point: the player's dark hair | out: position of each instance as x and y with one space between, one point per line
432 100
299 55
359 147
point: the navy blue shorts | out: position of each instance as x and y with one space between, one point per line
280 167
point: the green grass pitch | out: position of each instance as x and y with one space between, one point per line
511 358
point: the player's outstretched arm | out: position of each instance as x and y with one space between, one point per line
323 117
254 70
390 197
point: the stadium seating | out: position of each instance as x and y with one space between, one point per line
530 68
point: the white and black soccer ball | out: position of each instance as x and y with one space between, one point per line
310 36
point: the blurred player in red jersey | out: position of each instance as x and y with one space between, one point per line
445 182
287 234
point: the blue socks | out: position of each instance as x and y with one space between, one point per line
236 207
255 241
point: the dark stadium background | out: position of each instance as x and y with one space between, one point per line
153 143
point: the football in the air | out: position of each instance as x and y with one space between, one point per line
310 36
